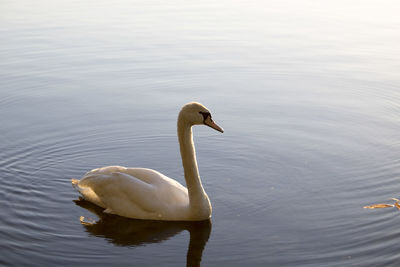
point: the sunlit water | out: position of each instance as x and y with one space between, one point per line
307 92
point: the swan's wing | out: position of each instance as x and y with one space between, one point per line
132 196
120 192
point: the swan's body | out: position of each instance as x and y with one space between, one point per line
147 194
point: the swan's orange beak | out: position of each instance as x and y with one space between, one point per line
209 122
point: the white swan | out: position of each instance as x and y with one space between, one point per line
147 194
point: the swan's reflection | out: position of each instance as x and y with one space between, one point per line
130 232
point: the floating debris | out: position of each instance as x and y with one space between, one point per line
379 206
384 205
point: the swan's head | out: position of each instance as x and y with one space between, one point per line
196 114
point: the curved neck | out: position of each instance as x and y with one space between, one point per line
198 199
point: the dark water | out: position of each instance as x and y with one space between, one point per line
307 92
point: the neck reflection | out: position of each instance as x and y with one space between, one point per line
131 232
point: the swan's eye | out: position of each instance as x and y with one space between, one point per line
205 115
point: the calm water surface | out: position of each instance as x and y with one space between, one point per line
308 94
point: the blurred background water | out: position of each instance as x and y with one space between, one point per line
308 95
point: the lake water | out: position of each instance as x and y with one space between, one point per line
308 93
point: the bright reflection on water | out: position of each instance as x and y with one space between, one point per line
308 95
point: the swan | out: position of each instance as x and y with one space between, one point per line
142 193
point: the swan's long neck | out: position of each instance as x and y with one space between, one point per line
198 199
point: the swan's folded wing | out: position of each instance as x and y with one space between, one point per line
130 196
121 192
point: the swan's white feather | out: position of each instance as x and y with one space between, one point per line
135 192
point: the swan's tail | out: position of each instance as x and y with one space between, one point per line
87 193
75 184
